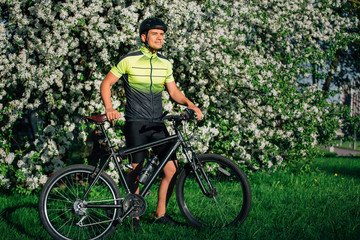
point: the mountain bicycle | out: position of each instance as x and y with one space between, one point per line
83 202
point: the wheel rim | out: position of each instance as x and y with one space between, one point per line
63 209
222 209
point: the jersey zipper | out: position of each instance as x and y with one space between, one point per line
152 96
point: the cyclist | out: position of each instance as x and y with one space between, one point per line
145 73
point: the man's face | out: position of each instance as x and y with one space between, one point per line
155 38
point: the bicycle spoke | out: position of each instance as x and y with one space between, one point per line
59 216
58 200
66 215
65 224
223 210
72 222
69 188
225 206
62 195
219 208
102 191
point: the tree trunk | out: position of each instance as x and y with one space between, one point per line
333 66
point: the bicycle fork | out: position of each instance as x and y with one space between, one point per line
201 177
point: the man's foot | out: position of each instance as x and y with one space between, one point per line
136 224
166 219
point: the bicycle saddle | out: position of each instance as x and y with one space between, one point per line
97 118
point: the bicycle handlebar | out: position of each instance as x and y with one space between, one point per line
187 115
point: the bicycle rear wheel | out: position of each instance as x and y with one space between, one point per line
231 201
65 216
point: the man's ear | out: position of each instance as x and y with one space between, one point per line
143 37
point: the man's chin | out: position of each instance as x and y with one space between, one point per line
156 47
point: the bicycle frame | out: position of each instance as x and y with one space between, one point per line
177 140
81 201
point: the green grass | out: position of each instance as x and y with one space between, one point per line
347 144
324 204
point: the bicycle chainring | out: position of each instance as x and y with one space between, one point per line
136 201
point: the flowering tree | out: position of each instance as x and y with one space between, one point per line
346 60
240 60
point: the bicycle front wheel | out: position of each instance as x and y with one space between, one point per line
231 199
63 212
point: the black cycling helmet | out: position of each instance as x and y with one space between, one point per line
152 23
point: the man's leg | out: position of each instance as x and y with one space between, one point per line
166 187
131 179
132 176
135 138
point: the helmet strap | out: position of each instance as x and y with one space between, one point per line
150 48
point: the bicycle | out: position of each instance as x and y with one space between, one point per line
83 202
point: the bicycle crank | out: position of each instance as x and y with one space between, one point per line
136 202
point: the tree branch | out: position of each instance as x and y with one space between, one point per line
354 1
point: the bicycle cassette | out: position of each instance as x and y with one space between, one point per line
137 202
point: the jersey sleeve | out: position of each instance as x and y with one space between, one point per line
120 68
169 74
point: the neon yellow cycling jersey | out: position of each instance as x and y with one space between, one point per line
144 75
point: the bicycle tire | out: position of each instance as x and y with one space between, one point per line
229 207
58 199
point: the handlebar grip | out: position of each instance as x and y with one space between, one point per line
189 113
164 114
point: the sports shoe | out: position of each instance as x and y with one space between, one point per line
136 224
166 219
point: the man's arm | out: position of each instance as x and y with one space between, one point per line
178 97
105 91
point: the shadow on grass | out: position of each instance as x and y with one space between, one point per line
6 192
344 171
341 165
8 216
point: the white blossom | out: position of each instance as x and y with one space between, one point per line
224 56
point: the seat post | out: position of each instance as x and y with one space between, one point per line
106 137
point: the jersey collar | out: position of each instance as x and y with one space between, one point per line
147 53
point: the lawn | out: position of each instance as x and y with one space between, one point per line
347 144
324 204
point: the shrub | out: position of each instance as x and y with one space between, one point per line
240 60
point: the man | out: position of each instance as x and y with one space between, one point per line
145 73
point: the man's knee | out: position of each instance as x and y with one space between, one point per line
171 169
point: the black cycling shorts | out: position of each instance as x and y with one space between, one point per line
142 132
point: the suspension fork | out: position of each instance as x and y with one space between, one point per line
198 168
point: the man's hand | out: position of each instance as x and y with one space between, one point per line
112 114
179 97
197 111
